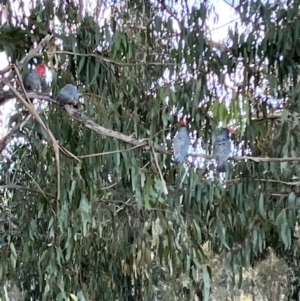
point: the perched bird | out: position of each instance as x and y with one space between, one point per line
181 142
33 79
222 149
68 95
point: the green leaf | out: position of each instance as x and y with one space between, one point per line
262 210
96 72
221 230
81 64
74 297
13 256
280 219
285 235
207 282
147 193
84 210
292 199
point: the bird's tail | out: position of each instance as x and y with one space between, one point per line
179 158
222 167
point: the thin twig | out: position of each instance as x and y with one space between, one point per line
163 182
143 143
87 122
257 288
109 187
4 95
36 183
32 110
108 153
25 188
10 135
105 59
237 180
245 158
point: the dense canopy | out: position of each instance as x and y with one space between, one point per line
93 206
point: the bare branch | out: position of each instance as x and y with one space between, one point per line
33 52
109 60
7 95
237 180
7 138
19 187
32 111
87 122
163 182
246 158
90 124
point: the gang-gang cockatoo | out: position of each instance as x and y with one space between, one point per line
222 148
33 79
181 142
68 95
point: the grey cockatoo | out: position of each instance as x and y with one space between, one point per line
181 142
33 79
68 95
222 149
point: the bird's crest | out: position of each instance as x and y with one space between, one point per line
41 69
182 123
230 129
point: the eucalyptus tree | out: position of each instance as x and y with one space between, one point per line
112 217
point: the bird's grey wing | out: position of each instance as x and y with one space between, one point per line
216 149
181 147
221 151
32 81
63 97
228 148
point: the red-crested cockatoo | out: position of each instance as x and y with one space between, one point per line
222 148
68 95
33 79
181 142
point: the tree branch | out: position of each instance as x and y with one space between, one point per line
87 122
109 60
238 180
19 187
33 52
8 137
7 95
